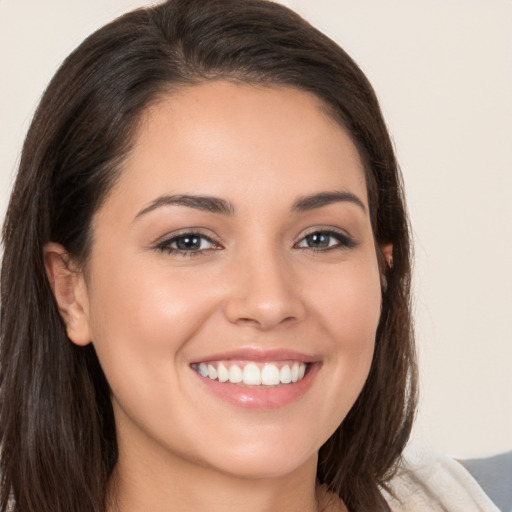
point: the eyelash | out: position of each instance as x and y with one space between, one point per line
343 241
165 245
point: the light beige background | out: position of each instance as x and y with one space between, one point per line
443 73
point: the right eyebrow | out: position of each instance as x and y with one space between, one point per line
205 203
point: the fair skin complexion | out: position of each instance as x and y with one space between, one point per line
237 233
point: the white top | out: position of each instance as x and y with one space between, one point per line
428 482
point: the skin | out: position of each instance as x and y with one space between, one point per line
255 282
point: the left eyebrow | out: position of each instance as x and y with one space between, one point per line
324 199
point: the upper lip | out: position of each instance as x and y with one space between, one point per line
260 355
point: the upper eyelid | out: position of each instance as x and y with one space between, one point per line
325 229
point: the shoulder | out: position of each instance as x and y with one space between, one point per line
426 481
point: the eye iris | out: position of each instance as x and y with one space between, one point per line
318 240
187 243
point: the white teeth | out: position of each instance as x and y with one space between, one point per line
212 372
286 374
235 374
203 370
222 373
270 375
295 372
251 374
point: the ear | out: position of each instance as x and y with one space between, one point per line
70 292
387 252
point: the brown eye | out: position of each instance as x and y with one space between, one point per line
187 244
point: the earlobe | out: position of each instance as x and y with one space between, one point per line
70 292
387 251
387 254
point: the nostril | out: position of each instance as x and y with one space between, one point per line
266 322
245 320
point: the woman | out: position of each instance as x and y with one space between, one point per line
208 244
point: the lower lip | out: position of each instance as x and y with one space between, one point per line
259 397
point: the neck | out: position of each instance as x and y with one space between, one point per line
164 483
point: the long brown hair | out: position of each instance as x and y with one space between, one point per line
58 437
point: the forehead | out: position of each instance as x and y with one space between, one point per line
260 138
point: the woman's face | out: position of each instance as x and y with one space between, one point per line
236 245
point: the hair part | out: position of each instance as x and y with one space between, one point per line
57 425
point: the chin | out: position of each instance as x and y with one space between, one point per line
266 456
266 465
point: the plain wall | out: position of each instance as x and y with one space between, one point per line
443 73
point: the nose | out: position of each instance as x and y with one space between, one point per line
265 293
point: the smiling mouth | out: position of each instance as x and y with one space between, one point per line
250 373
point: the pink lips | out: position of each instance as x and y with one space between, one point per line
260 398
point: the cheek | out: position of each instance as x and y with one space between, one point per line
359 314
142 327
349 305
348 311
143 321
